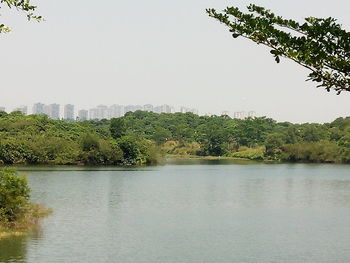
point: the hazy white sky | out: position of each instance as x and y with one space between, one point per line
159 52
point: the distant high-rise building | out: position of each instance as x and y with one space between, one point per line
166 108
93 113
163 109
102 112
99 113
251 114
132 108
157 109
53 111
39 108
185 110
148 107
69 112
138 107
115 111
23 109
2 109
240 115
82 115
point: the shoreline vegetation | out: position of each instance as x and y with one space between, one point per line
18 215
144 138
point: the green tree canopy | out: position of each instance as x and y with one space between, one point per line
21 5
318 44
117 128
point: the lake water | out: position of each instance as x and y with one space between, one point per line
189 211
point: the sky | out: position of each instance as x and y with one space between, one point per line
160 52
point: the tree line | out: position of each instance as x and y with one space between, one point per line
142 137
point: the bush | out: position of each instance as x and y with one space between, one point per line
322 151
131 151
99 151
14 195
138 151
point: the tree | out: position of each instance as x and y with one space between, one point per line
117 128
273 143
131 150
21 5
318 44
90 142
160 135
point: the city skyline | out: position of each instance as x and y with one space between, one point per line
101 111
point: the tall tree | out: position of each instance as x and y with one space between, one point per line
21 5
318 44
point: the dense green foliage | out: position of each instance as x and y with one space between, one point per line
14 195
17 213
36 139
117 128
252 138
20 5
139 138
318 44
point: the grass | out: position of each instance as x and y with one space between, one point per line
256 153
27 222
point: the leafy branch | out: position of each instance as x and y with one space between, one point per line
318 44
21 5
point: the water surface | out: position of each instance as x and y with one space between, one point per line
189 211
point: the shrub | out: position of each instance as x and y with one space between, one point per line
322 151
256 153
14 195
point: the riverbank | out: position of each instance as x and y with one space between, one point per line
260 160
29 221
18 214
176 156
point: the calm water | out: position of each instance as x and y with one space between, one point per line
189 212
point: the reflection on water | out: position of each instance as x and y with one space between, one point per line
194 212
14 249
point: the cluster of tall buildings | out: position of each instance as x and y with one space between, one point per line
98 113
240 114
114 111
53 110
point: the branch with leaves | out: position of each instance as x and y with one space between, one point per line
21 5
318 44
